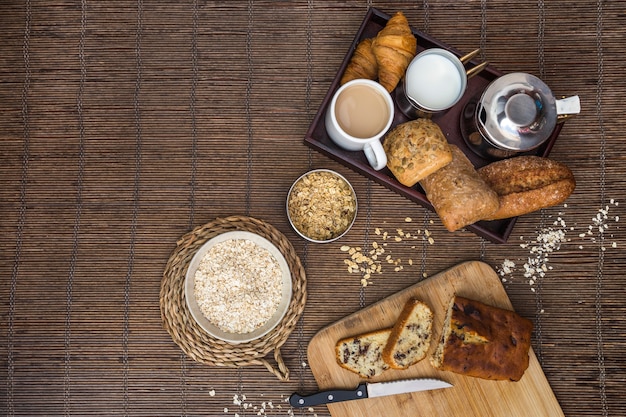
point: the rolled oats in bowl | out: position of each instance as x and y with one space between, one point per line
321 206
238 286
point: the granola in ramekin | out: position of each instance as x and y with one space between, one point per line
321 205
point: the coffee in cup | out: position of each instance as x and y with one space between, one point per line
359 114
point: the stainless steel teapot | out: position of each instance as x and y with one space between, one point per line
515 114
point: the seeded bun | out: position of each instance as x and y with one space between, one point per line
415 150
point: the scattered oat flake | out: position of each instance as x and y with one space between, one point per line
370 262
550 239
507 267
408 219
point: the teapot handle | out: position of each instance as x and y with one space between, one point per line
567 107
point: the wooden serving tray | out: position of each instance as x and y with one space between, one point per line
470 397
449 121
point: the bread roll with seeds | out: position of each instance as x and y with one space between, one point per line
416 149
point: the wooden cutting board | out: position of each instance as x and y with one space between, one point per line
532 395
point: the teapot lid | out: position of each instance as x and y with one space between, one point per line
517 112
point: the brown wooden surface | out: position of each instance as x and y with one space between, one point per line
125 124
469 396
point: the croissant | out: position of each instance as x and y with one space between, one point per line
363 63
394 47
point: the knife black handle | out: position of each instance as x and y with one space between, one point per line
328 397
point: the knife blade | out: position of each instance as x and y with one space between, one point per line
367 390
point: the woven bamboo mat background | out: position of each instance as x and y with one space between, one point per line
126 124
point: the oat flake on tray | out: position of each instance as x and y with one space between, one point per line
238 285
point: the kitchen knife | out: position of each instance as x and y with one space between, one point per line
367 390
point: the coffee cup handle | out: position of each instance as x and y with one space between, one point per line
375 154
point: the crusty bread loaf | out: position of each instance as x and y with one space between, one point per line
410 337
363 354
527 183
458 194
483 341
416 149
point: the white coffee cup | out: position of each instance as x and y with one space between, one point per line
359 114
434 81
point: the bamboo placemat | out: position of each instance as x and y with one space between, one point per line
186 332
127 124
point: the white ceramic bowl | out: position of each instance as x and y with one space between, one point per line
212 329
297 224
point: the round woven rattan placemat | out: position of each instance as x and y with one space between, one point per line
191 338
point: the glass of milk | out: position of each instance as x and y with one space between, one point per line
434 81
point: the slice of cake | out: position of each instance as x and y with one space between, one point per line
410 337
483 341
363 354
